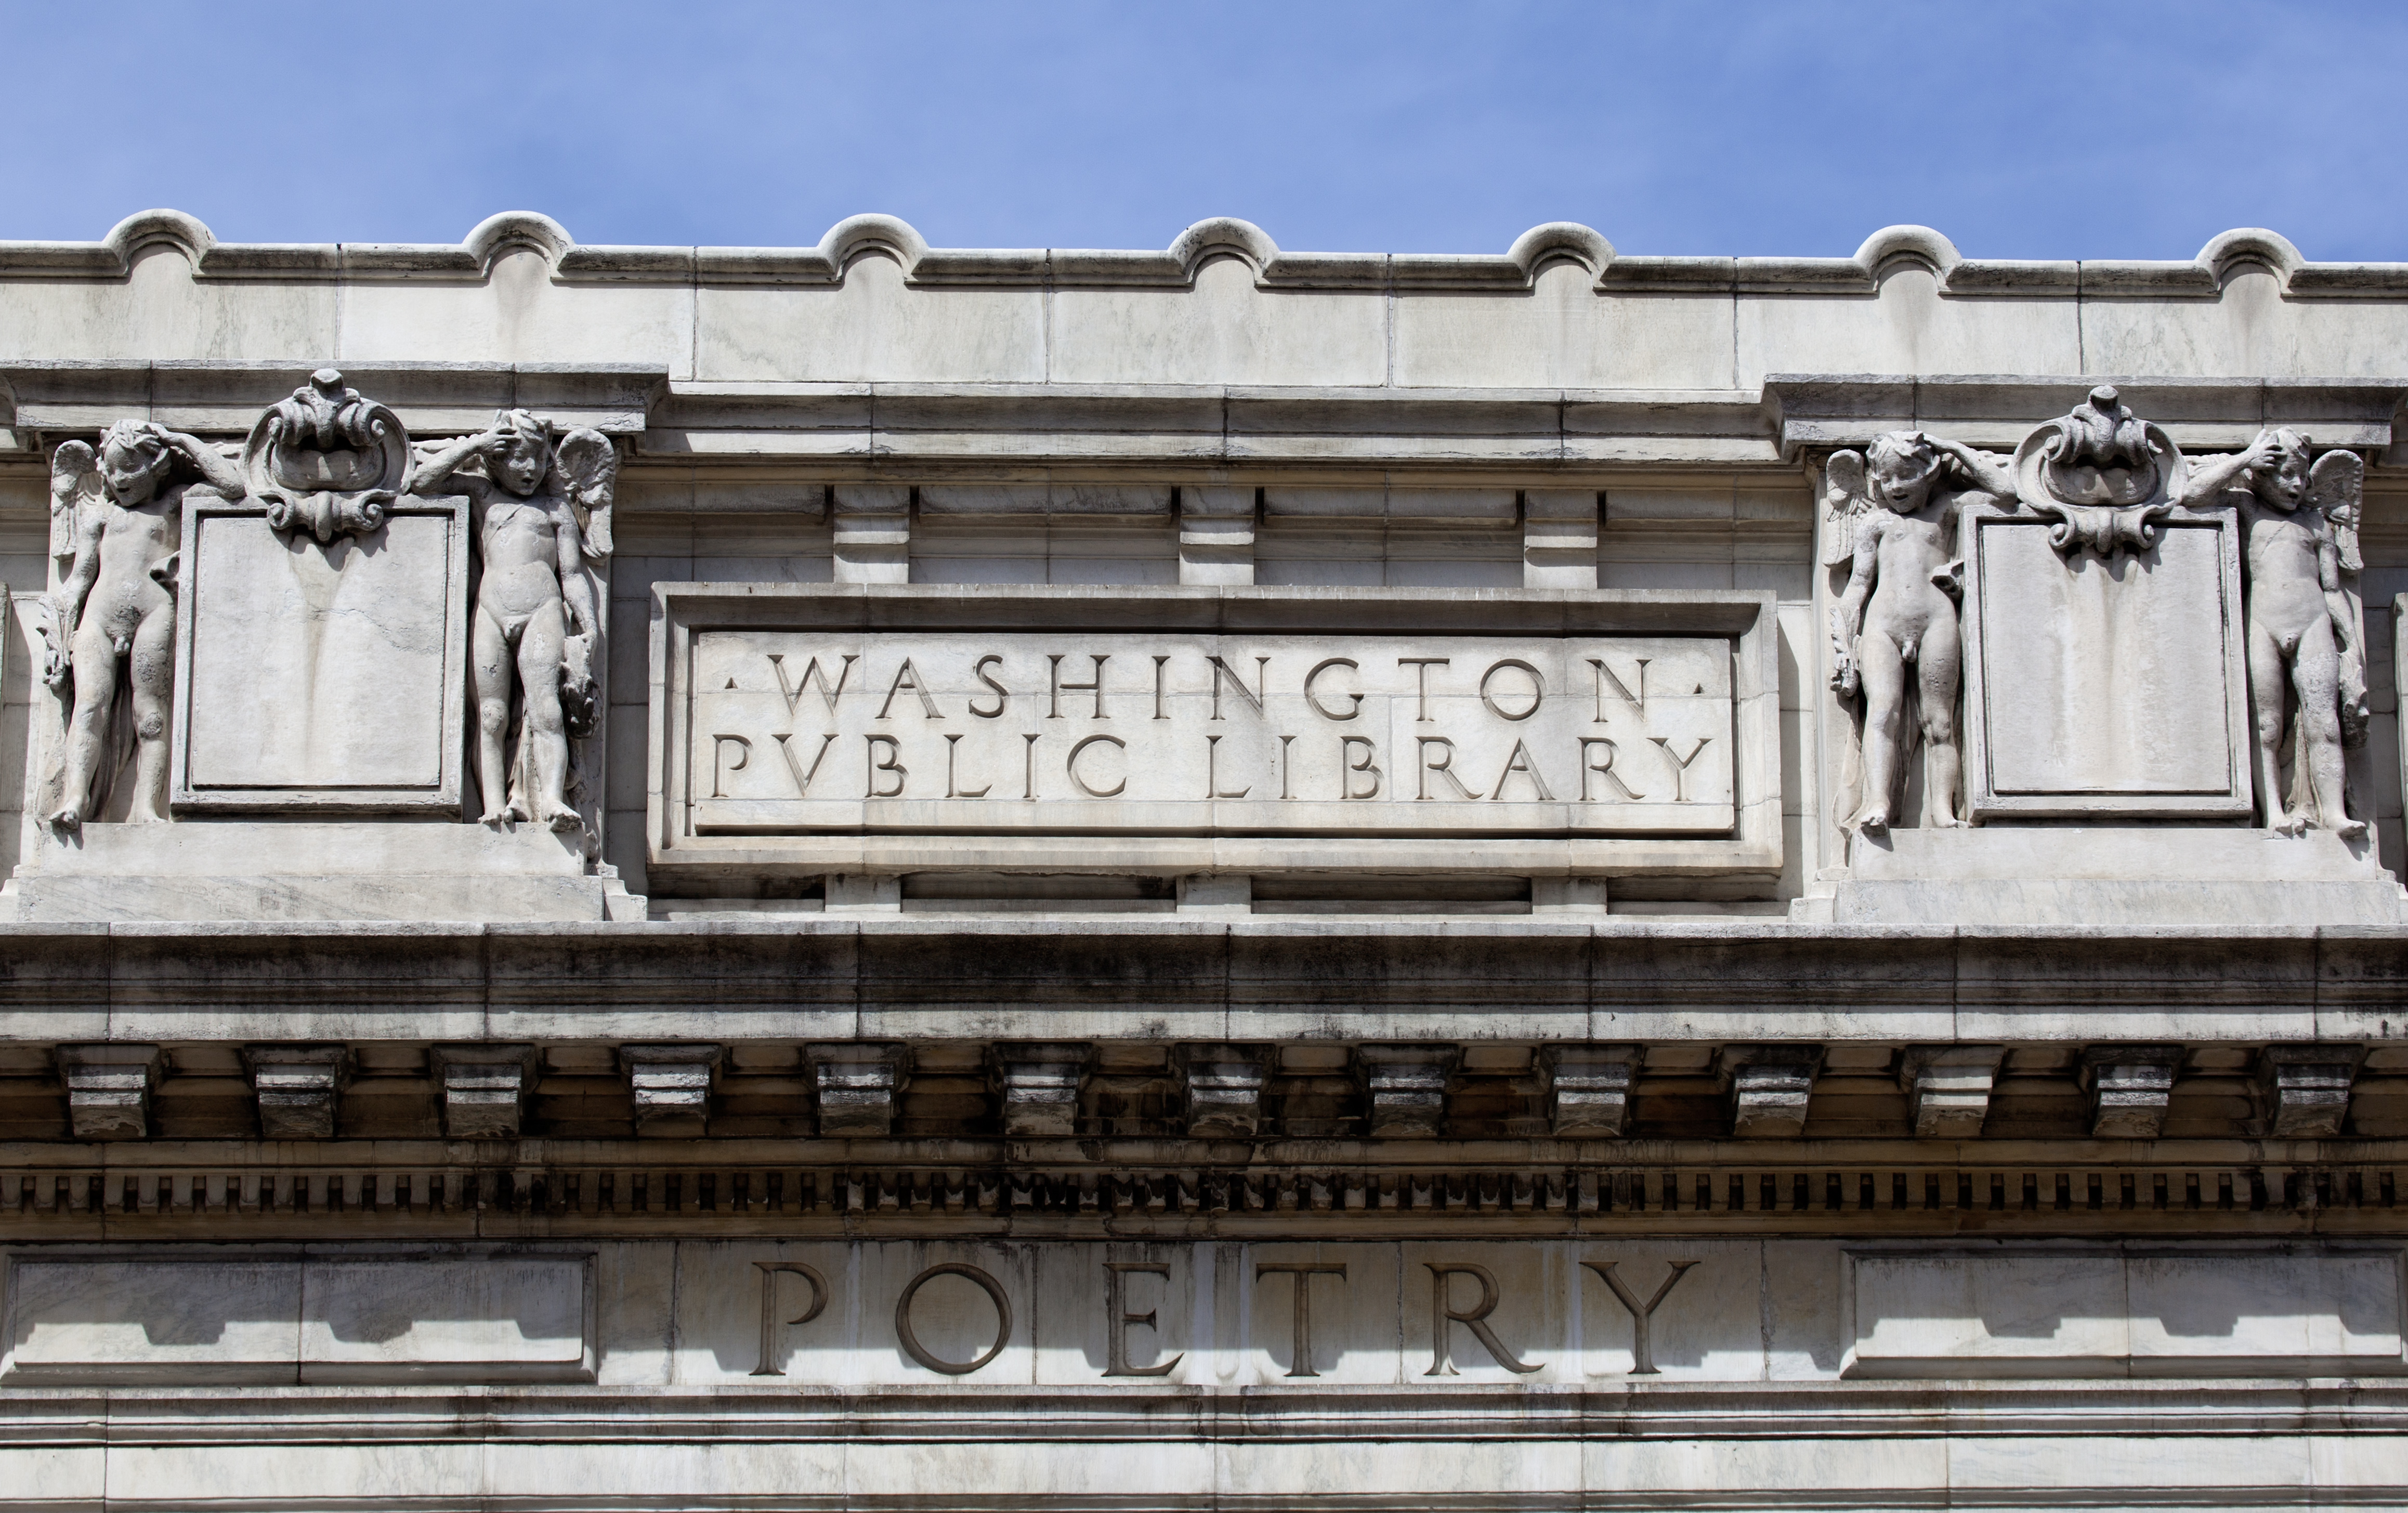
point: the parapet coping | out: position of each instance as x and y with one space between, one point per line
1515 272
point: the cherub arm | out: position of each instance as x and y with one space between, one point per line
439 468
218 472
1980 468
576 587
2210 476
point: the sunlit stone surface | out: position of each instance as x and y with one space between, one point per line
881 877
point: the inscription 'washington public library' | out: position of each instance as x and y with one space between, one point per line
872 876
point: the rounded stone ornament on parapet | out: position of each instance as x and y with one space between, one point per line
327 460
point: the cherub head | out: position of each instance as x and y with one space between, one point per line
1901 470
135 460
521 464
2279 477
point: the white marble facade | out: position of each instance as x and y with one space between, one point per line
874 876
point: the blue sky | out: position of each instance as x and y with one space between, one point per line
2098 129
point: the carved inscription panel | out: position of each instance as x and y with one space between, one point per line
806 730
1130 717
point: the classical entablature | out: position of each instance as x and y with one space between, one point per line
881 874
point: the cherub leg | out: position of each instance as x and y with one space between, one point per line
2316 667
153 684
94 656
2269 687
1936 668
1883 676
545 735
488 668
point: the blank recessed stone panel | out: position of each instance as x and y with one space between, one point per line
2104 686
2110 1314
99 1320
321 679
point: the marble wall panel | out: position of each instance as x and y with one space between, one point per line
870 330
516 314
1225 330
160 312
1564 334
1908 327
2251 331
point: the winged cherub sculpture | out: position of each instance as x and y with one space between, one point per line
1897 652
113 619
542 518
2307 649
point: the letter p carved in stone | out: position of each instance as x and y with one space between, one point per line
769 1270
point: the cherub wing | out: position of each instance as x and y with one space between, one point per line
588 467
1845 502
74 482
2337 486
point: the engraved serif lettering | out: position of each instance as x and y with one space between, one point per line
1303 1272
812 674
890 761
1443 1312
721 766
1680 765
1642 1353
1117 1318
769 1269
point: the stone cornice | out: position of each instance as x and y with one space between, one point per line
1164 978
1514 271
219 396
901 429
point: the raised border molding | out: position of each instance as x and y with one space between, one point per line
1516 271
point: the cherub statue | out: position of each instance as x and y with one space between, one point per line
542 515
115 615
2307 653
1894 519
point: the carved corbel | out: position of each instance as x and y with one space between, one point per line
1224 1089
1040 1086
2303 1090
297 1088
1770 1087
872 524
1216 534
108 1088
485 1089
1559 534
2131 1087
1408 1089
1948 1087
857 1083
672 1087
1591 1088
